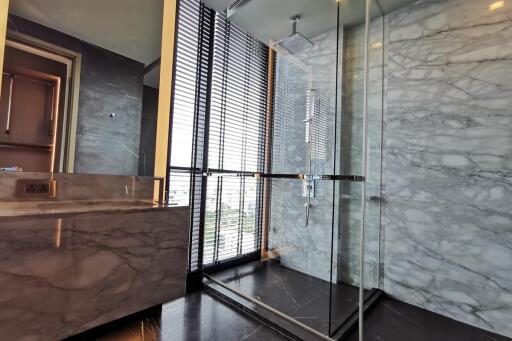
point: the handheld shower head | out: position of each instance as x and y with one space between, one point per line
295 43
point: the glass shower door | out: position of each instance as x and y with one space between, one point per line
293 275
298 275
300 230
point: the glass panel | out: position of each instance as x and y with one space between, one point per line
354 143
303 243
374 141
179 188
347 228
294 274
231 225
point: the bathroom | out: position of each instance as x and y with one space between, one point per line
311 170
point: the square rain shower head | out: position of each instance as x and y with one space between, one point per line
294 44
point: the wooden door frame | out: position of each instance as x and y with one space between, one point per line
73 62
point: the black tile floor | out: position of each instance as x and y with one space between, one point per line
202 316
302 297
199 316
392 320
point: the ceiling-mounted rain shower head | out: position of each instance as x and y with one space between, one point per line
295 43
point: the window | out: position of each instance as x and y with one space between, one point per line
218 126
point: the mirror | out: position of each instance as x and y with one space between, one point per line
80 86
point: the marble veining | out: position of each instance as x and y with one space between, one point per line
351 150
305 248
61 276
447 172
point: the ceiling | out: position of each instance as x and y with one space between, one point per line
268 20
131 28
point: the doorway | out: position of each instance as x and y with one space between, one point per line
37 107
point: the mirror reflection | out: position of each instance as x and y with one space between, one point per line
80 86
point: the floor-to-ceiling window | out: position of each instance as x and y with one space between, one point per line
218 134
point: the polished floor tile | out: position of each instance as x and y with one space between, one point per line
199 316
392 320
300 296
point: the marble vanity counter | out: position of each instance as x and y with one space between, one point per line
62 274
49 208
96 249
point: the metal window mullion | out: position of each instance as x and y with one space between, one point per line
206 134
218 219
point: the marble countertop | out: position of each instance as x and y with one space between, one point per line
48 208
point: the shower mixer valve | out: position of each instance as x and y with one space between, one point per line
308 187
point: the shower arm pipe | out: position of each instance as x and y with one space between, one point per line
294 21
364 168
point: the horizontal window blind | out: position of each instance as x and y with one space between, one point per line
218 125
238 107
189 126
236 142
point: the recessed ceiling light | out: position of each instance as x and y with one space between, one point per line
376 45
496 5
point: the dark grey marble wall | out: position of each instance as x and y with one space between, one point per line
109 83
148 131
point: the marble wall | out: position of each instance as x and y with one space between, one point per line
61 275
109 83
148 131
78 187
304 248
447 163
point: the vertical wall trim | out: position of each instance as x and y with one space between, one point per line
364 167
4 12
70 152
164 98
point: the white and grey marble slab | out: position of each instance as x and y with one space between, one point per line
447 172
61 276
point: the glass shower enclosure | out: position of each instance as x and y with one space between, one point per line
319 193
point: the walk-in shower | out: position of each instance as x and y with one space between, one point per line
307 278
385 168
